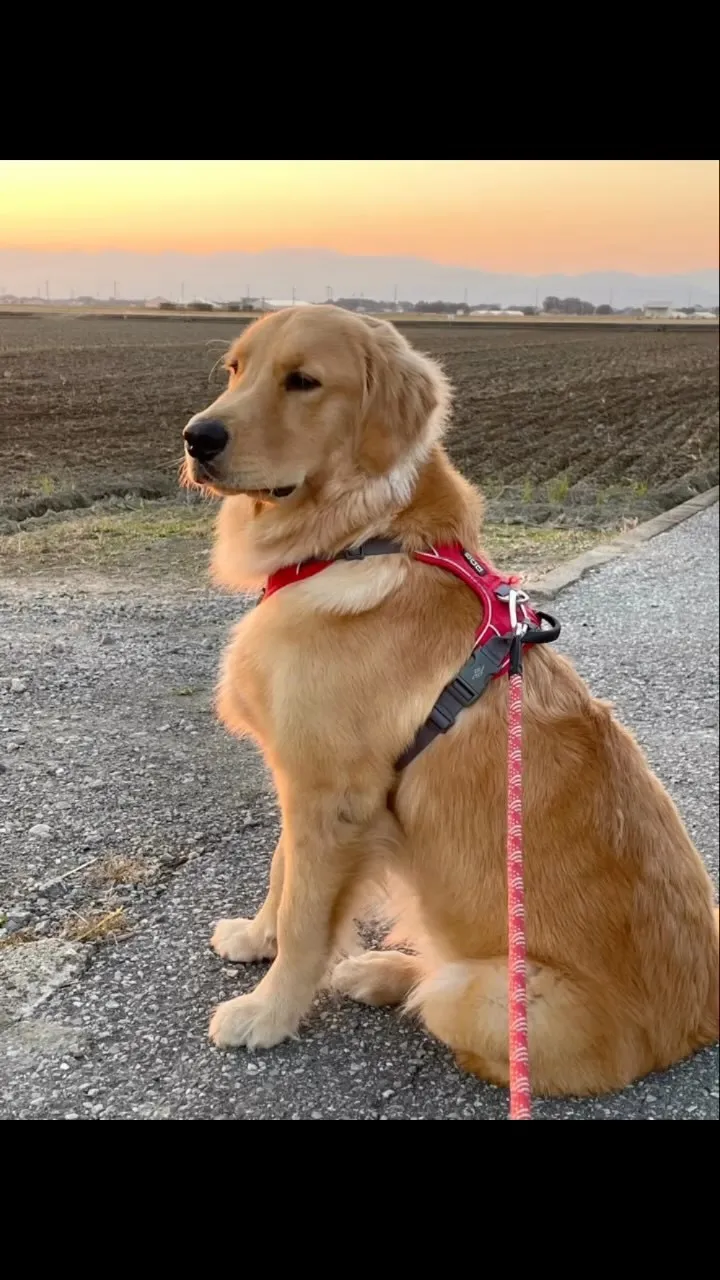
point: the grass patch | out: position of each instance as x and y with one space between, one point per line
172 539
96 926
558 489
533 550
120 869
18 939
89 539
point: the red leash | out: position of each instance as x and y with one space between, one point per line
520 1090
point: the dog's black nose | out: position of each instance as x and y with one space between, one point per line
205 439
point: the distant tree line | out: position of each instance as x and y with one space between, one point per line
438 307
573 307
551 306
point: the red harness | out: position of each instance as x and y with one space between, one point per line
495 590
506 617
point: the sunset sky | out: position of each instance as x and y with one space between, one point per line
530 216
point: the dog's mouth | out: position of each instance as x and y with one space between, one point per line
283 491
203 474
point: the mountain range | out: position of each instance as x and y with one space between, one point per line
309 275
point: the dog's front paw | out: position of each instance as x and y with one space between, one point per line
249 1020
242 941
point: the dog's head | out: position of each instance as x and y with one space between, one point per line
318 399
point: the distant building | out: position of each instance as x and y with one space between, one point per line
487 311
278 304
658 310
156 303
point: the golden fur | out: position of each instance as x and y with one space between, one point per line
332 677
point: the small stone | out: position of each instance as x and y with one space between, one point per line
107 639
72 1115
316 1115
55 889
17 920
17 685
31 973
97 784
41 830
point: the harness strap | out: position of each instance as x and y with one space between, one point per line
291 573
473 679
469 684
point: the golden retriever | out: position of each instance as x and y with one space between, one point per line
329 434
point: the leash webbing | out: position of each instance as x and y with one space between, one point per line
520 1089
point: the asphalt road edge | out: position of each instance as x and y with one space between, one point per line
549 585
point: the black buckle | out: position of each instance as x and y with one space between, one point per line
454 698
353 553
462 691
442 719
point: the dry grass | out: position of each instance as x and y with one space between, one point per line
96 925
118 869
532 549
151 537
18 939
174 538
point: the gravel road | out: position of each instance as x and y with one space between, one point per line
112 770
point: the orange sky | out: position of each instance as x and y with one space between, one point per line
534 216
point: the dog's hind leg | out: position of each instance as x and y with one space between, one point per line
575 1048
244 941
377 977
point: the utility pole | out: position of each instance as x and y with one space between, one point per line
293 295
182 291
115 289
47 290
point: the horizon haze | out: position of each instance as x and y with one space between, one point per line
308 274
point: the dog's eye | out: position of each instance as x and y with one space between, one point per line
297 381
233 366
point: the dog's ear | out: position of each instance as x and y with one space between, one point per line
405 402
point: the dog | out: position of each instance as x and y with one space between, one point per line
329 434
